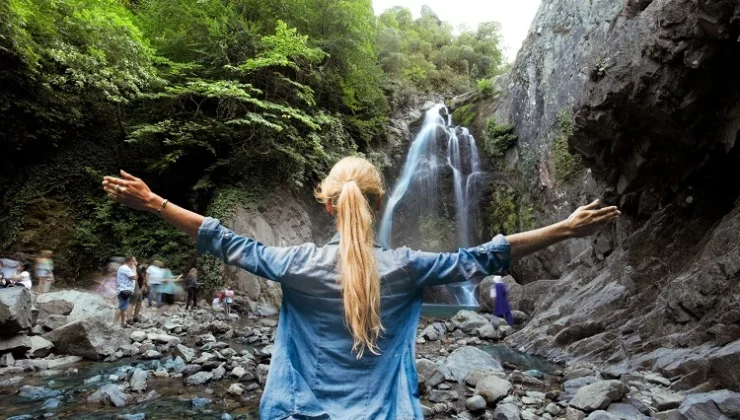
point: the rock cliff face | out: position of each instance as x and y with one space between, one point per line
655 107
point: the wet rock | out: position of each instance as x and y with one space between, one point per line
90 339
21 417
15 311
54 307
163 339
175 364
493 389
51 404
226 416
37 392
466 359
128 350
506 411
219 373
488 332
598 395
206 338
138 336
574 414
138 381
238 372
475 403
262 372
199 378
200 402
136 416
53 322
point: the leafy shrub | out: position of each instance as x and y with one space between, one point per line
566 163
485 87
499 138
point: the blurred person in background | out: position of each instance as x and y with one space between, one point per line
191 284
44 270
23 277
138 297
125 281
155 278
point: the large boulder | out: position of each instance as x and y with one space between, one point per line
483 293
599 395
53 322
91 339
18 345
711 405
468 321
466 359
40 347
15 311
85 305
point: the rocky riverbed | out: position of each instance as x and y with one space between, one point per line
61 359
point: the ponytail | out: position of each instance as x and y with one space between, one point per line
358 273
346 190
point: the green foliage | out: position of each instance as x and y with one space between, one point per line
509 211
499 138
425 53
566 163
485 87
465 115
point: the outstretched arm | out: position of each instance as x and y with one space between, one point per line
585 221
133 192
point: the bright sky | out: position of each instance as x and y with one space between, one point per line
514 16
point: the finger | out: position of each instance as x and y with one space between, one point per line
113 196
113 180
605 218
594 204
606 210
128 176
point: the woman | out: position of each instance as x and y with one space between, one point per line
138 296
344 346
45 270
191 284
125 280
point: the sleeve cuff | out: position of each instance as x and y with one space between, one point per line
209 230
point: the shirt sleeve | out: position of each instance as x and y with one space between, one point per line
265 261
434 269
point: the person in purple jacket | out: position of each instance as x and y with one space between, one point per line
345 342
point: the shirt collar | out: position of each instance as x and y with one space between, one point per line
335 241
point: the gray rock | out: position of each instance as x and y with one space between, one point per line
468 321
15 311
437 395
138 336
578 332
262 372
91 339
17 345
135 416
466 359
669 415
598 395
191 369
86 305
109 394
625 411
424 370
138 381
51 404
711 405
185 352
602 415
664 400
574 414
475 403
238 372
488 331
219 373
151 354
175 364
236 390
572 386
54 306
476 375
506 411
7 360
40 347
199 378
53 322
45 364
493 389
199 402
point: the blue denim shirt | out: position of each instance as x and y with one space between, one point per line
313 372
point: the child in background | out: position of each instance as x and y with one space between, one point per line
217 300
229 299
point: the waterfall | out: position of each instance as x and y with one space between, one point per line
422 172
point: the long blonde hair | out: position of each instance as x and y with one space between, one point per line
352 182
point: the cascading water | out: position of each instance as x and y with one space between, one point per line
423 171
